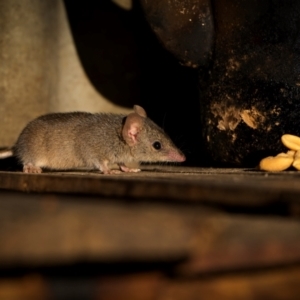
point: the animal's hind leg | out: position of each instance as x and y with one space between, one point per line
128 170
104 168
30 168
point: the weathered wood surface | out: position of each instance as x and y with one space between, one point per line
194 220
45 229
275 284
281 284
232 187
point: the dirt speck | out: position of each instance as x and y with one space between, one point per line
229 116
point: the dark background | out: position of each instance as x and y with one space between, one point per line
127 64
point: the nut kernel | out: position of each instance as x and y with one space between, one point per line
296 163
291 153
291 141
276 164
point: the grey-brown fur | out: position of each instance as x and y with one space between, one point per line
85 140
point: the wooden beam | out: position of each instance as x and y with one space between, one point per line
45 229
230 187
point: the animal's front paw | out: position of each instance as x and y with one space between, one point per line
30 168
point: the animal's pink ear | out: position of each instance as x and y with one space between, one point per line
132 126
140 111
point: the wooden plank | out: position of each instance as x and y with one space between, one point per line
32 286
279 284
45 229
53 229
241 242
241 188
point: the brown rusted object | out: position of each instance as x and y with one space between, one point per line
184 27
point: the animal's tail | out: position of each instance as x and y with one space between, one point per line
6 153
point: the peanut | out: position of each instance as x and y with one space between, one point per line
278 163
296 163
291 141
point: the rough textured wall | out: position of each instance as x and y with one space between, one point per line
252 95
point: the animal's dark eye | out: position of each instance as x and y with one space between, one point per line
156 145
